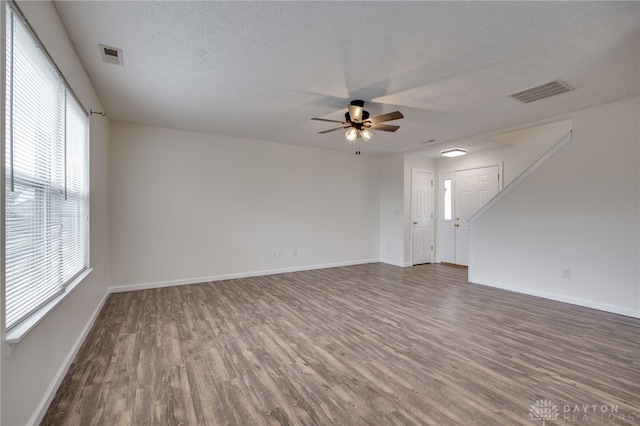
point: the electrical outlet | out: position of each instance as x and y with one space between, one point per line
277 253
566 273
294 252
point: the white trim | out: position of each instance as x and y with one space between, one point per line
558 297
3 42
452 172
432 243
41 409
392 262
396 263
20 331
197 280
525 174
498 164
442 176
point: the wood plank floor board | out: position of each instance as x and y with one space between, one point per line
360 345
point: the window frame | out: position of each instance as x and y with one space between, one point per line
18 330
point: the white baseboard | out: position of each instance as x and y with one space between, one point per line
187 281
558 297
395 263
41 409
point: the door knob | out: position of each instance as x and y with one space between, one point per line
415 223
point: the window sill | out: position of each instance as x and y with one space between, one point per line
20 331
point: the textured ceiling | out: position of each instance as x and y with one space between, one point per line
261 70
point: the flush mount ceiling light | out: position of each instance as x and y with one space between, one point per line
453 152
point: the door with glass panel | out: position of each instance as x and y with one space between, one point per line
463 193
446 237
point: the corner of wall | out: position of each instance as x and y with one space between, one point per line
554 233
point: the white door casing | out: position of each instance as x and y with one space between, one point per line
473 189
421 217
446 202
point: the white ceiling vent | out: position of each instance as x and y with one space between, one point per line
111 55
542 91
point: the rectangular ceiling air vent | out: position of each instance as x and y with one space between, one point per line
111 55
542 91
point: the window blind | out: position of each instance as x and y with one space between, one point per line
46 182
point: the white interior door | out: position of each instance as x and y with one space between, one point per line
472 188
446 236
421 216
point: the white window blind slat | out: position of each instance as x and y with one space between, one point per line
47 182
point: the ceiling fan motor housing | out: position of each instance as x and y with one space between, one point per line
347 117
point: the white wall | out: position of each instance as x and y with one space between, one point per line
41 359
392 209
579 210
529 145
395 205
187 207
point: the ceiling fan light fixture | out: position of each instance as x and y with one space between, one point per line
360 125
351 135
453 152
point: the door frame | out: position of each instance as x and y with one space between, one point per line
442 176
440 206
433 212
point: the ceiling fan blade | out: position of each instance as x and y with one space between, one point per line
396 115
330 121
355 112
333 130
383 127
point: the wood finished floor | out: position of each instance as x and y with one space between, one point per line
370 344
